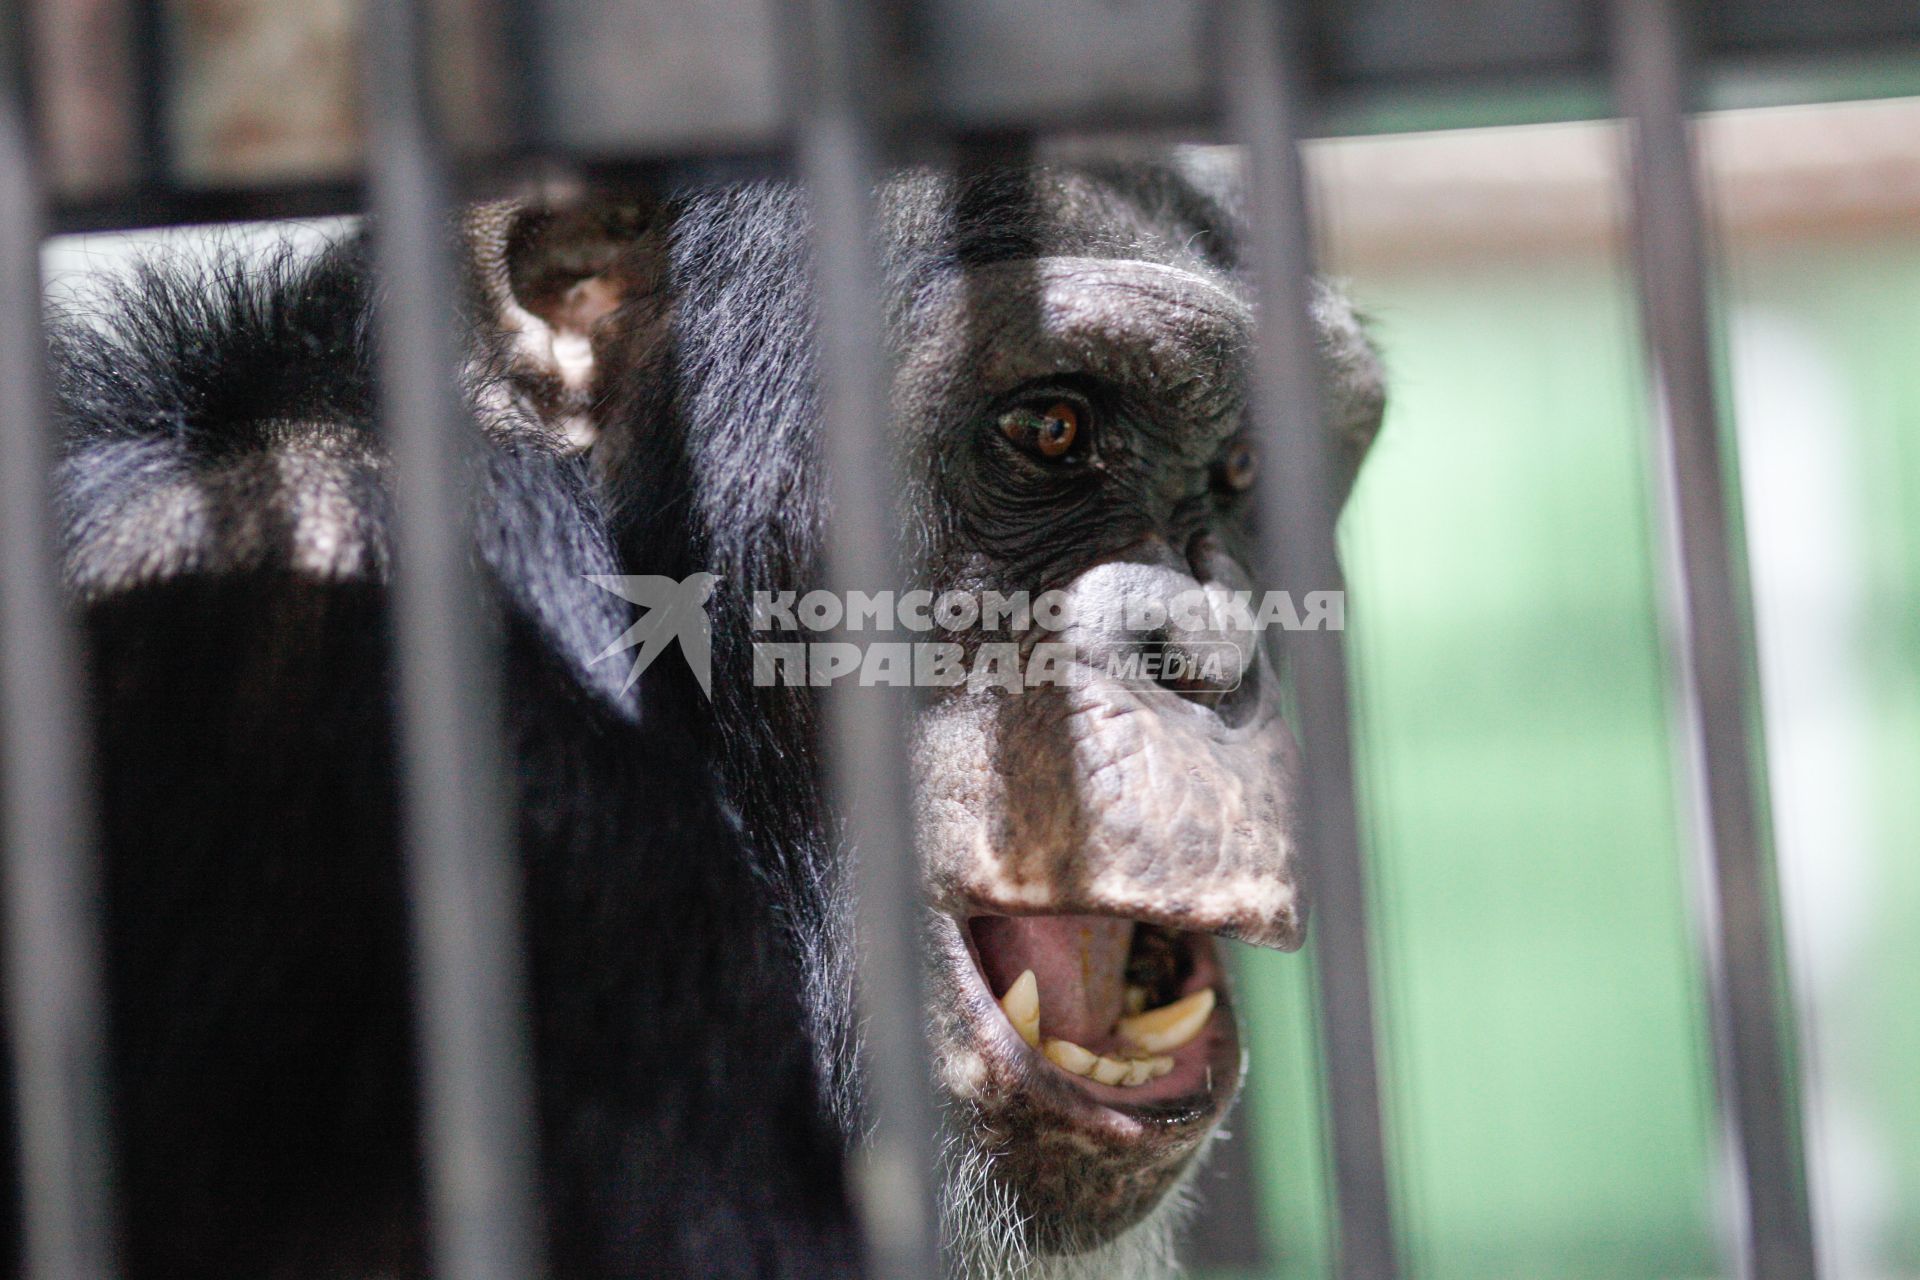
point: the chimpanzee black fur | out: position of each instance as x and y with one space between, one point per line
642 376
264 1104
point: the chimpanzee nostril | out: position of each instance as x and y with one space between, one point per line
1205 672
1210 672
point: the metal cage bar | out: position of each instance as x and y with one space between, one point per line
1670 240
54 992
463 880
1297 490
477 1101
152 132
869 774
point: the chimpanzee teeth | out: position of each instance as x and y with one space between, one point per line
1127 1072
1165 1029
1069 1056
1155 1032
1136 998
1022 1007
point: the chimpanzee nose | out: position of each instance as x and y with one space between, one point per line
1210 648
1157 619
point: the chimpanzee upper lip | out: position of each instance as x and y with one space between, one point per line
990 950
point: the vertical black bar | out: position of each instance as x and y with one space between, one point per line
51 877
524 29
867 728
463 880
152 133
1650 85
1226 1233
1300 503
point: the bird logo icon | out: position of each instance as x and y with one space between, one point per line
674 610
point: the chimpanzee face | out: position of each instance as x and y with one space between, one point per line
1071 421
1080 423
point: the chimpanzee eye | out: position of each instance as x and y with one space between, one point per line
1050 429
1236 468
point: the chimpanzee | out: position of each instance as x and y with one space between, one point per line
1070 346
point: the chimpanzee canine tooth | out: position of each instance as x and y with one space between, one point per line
1136 999
1069 1056
1169 1026
1109 1070
1022 1007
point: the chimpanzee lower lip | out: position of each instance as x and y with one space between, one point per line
1193 1093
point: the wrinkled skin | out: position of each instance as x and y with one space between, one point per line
1097 798
1053 820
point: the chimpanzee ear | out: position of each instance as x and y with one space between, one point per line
575 292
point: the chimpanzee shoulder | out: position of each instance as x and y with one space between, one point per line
225 503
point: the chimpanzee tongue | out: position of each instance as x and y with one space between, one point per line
1079 961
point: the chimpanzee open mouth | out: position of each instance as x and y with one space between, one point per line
1130 1015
